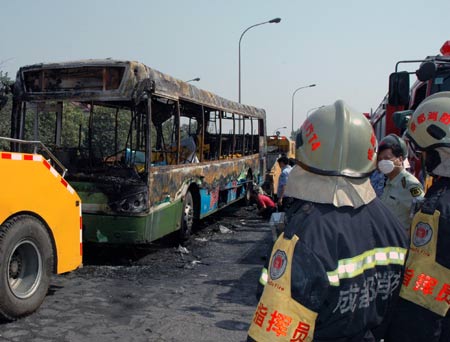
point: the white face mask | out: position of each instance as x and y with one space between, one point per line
386 166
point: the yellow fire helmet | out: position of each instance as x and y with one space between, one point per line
429 126
335 140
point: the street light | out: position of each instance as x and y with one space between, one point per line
276 132
273 21
295 91
194 80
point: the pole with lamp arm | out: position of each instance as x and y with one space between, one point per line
293 94
276 132
273 21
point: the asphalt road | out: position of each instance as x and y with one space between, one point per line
205 292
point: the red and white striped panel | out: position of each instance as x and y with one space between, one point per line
81 232
37 158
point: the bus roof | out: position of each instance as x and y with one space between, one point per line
108 80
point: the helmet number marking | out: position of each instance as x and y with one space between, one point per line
371 150
313 138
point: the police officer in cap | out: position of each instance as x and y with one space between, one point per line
335 272
423 310
402 189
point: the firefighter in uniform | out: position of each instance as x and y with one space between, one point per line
402 189
423 310
335 272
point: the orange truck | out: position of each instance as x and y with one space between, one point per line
277 146
40 230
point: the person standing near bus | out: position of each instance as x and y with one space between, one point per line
402 190
335 272
282 181
423 310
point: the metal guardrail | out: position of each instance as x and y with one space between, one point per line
36 146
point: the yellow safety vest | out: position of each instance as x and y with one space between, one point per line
426 283
278 317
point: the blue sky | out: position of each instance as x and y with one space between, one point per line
347 47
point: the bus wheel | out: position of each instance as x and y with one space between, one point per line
26 263
187 218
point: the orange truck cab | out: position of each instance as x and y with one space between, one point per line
277 146
40 229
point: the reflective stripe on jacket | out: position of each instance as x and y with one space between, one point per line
340 265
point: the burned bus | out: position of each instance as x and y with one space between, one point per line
147 153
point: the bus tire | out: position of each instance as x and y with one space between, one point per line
26 264
187 217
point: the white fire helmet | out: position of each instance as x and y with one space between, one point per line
336 140
429 130
429 126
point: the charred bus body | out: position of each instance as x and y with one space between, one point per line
147 153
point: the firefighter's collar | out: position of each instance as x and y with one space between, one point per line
443 169
339 191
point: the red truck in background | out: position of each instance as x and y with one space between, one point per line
393 113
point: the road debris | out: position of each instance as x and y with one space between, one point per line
225 230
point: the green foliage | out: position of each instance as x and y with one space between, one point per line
103 134
5 111
75 128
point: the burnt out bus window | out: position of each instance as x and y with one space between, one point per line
240 129
247 130
190 138
254 135
69 79
164 131
211 148
228 138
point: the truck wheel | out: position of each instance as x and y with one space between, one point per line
26 264
187 217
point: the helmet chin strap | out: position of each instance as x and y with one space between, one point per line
432 160
438 161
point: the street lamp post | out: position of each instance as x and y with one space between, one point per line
276 132
273 21
194 80
295 91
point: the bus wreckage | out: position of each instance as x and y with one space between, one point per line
147 153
